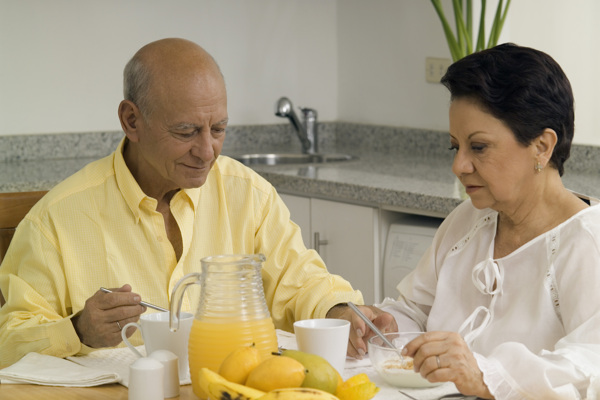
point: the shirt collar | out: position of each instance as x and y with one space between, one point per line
135 198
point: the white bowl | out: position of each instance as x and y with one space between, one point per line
388 364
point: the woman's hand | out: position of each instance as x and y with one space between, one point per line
443 357
359 331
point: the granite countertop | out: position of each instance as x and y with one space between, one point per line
397 169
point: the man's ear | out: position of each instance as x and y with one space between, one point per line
545 144
129 116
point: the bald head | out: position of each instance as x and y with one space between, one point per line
163 66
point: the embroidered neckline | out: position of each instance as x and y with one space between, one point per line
486 220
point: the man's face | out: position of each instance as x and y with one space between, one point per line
182 138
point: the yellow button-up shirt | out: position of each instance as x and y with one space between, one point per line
97 228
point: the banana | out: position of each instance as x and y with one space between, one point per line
206 377
298 394
232 391
215 386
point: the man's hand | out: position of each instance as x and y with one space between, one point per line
98 324
359 331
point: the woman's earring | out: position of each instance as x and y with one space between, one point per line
538 166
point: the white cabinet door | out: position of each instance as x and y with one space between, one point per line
347 239
300 213
349 243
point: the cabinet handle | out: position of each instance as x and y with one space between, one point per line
318 242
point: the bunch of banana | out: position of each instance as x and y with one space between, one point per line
298 394
216 387
219 388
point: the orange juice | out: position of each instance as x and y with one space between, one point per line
211 340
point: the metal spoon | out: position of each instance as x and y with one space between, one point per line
446 396
376 330
408 395
141 302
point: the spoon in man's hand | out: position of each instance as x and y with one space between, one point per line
105 290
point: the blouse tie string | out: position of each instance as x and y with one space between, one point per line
487 279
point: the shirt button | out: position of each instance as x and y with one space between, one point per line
159 238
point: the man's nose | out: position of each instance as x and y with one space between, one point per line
202 147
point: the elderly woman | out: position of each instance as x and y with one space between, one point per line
508 292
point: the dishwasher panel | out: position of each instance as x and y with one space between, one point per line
407 241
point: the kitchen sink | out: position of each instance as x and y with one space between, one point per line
291 158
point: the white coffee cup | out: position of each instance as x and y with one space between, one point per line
325 337
157 336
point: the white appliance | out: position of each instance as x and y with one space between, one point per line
407 241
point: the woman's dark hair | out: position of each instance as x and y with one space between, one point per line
523 87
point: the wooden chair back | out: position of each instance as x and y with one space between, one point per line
13 208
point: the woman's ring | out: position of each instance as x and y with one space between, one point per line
119 325
437 358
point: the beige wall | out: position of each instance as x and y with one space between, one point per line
570 33
383 45
61 61
353 60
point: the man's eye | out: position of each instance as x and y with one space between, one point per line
453 147
478 147
184 135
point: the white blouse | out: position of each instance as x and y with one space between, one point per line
531 318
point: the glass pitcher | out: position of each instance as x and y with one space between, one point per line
232 311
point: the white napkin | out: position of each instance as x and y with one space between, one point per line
41 369
286 340
111 360
115 360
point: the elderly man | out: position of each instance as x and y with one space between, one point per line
141 218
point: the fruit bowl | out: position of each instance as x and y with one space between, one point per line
388 364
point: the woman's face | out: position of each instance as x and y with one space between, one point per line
496 170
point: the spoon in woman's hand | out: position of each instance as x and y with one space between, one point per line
376 330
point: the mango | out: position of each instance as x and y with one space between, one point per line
277 373
237 365
320 374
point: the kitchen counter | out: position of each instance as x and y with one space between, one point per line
397 169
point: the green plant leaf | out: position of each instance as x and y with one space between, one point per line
465 42
461 44
493 33
481 33
470 20
452 43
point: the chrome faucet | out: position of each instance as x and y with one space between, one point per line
307 131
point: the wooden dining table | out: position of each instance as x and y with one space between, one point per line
113 391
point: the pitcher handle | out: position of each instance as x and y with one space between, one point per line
177 298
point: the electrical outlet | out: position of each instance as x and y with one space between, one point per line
435 68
